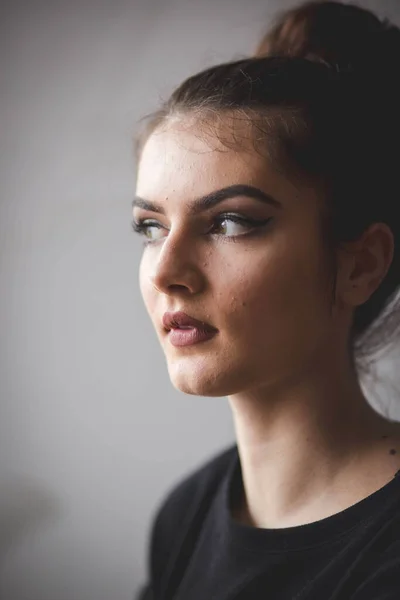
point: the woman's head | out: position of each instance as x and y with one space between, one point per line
286 291
261 283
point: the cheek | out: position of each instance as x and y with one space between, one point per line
280 287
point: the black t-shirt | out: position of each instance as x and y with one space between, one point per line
199 552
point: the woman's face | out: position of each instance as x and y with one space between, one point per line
265 287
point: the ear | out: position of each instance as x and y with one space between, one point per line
363 264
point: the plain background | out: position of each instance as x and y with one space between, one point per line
92 433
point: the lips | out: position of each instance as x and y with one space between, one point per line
180 320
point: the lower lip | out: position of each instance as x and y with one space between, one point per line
187 337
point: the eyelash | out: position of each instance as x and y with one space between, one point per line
140 225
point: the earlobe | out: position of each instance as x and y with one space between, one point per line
351 279
366 263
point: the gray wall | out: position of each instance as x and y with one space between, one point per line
92 433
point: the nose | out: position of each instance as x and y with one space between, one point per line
177 267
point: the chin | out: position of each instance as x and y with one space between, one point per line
199 383
199 390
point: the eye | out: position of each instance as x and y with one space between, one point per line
144 226
234 224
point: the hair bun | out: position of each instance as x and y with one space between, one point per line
344 35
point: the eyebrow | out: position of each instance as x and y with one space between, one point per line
206 202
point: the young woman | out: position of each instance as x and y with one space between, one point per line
267 197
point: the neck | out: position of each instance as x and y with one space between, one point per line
309 449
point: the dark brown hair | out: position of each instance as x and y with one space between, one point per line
342 34
338 126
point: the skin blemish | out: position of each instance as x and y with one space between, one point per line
393 451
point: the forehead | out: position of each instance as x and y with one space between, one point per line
192 157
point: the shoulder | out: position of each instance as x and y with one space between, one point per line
188 493
181 504
383 581
201 480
